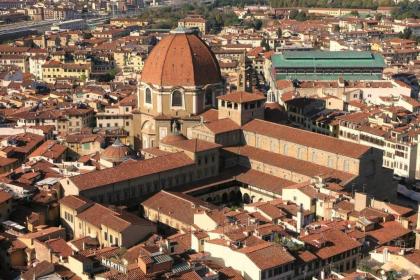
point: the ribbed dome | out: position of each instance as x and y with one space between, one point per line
172 138
181 59
117 152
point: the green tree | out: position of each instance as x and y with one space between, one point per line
293 14
354 13
265 44
279 33
407 9
406 34
257 24
301 16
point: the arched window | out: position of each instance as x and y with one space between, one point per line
148 96
176 98
208 98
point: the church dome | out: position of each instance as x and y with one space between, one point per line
117 152
181 59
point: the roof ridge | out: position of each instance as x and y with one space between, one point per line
192 57
164 59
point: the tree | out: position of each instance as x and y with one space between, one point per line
279 33
354 13
301 16
406 34
265 44
257 24
87 35
293 14
407 9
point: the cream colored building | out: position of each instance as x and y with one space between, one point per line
180 79
20 61
253 262
54 69
194 22
111 227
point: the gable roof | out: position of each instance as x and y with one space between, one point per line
177 205
131 170
306 138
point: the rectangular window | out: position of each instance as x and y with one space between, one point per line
313 156
330 162
346 165
299 153
285 149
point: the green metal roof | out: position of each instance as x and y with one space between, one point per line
328 77
324 59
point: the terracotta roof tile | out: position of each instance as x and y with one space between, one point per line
195 145
258 254
131 170
330 243
222 126
241 97
184 54
389 231
177 205
288 163
306 138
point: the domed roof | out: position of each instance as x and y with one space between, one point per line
181 59
117 152
172 138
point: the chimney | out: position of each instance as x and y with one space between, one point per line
418 228
418 218
385 254
360 201
300 218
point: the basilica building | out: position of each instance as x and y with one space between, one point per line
180 80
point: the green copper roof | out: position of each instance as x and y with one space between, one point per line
328 77
325 59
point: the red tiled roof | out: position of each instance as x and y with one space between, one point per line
288 163
195 145
176 205
49 149
210 115
330 243
131 170
222 126
241 97
74 202
264 181
259 255
98 215
187 56
4 196
306 138
59 246
389 231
